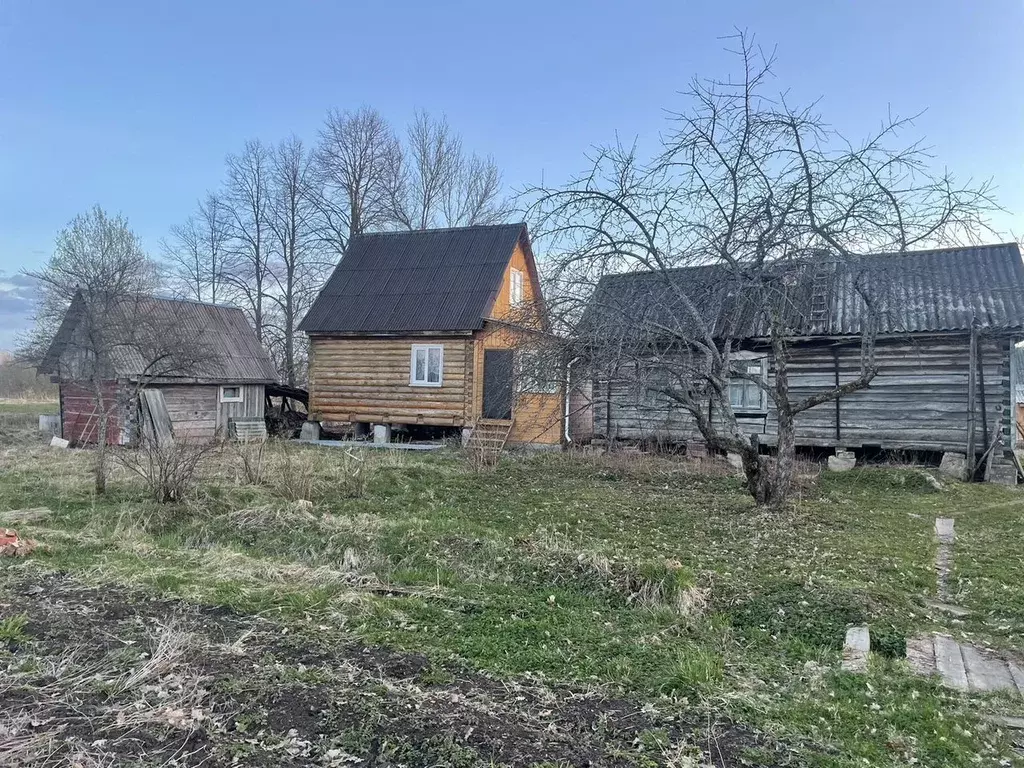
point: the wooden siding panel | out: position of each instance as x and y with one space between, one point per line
367 380
193 410
80 414
537 416
918 400
502 306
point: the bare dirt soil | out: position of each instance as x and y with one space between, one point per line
108 676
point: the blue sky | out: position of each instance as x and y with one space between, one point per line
133 105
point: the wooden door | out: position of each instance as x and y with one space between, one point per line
498 383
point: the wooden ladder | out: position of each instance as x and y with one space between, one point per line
488 438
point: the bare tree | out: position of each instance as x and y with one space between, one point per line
297 269
93 305
435 183
247 195
757 197
198 252
355 158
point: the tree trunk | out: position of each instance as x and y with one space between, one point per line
101 443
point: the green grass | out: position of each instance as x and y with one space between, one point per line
636 574
18 406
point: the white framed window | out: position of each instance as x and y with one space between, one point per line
746 390
426 365
515 287
231 394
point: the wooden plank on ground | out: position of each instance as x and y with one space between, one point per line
950 663
986 673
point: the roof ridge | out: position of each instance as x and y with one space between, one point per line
430 230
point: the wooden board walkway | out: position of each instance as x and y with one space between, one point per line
963 667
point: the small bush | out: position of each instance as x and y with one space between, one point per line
169 471
889 642
251 455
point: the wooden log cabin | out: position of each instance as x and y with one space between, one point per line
948 319
434 328
204 360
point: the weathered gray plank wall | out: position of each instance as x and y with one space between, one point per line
193 410
917 401
251 407
197 413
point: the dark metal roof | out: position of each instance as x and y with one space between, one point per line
913 292
227 348
426 280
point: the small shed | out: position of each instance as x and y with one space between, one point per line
224 386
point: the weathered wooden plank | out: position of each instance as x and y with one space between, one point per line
950 663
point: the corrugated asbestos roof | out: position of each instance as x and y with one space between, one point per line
919 291
427 280
217 340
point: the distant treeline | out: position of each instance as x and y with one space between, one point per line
20 382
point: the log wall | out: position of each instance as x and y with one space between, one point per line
918 400
366 379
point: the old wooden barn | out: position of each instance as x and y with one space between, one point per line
221 392
948 322
428 329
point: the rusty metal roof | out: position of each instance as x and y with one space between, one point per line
216 340
427 280
915 292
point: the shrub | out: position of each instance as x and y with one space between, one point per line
169 471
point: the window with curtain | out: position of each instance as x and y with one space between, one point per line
745 394
427 365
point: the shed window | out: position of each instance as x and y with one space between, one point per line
231 395
515 289
427 365
745 393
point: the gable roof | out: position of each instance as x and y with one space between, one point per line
425 280
230 353
914 292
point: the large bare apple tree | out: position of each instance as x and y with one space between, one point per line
755 191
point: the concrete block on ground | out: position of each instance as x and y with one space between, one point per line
58 442
49 424
843 461
1002 474
310 431
944 530
381 434
856 649
954 465
735 460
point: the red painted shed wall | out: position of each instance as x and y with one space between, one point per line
80 417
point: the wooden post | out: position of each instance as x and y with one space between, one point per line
972 396
835 366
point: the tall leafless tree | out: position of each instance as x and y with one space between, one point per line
760 191
100 275
247 195
355 158
297 268
435 183
197 252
